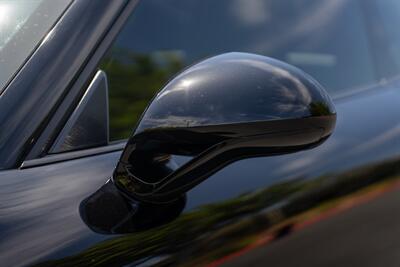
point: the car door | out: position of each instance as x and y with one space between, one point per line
328 206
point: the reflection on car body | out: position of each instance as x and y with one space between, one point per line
332 205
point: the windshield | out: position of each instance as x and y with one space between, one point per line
23 24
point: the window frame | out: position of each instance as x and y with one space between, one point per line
42 158
66 80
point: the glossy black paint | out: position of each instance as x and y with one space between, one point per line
225 108
335 205
30 100
72 98
107 211
88 125
40 218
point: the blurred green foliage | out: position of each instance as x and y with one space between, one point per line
134 79
319 109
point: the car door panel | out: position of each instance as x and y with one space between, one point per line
39 215
334 205
324 206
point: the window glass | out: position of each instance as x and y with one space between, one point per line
23 24
328 39
389 12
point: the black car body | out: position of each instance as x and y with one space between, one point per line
332 205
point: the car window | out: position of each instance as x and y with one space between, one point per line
327 39
23 24
389 13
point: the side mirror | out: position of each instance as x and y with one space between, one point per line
225 108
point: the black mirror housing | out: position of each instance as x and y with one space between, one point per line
225 108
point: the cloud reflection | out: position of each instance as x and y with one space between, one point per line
251 12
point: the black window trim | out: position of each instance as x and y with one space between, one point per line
39 153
